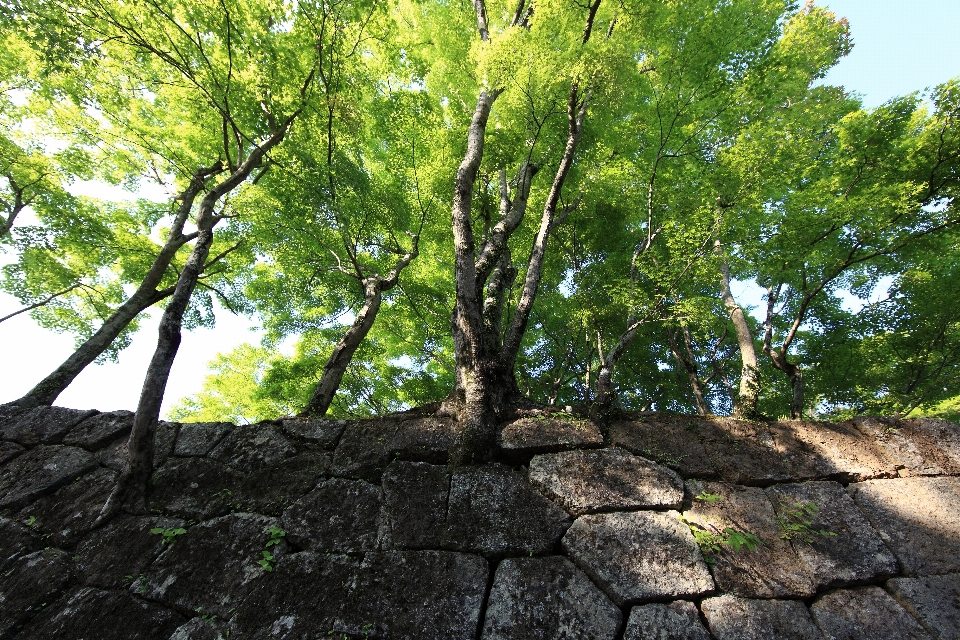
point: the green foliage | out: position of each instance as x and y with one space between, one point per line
796 523
169 534
711 543
276 535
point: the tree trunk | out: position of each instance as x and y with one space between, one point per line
745 406
795 376
146 295
687 362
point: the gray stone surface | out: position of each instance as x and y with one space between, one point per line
734 618
834 450
41 471
917 518
889 436
934 600
252 448
367 446
66 515
16 541
854 554
549 599
100 430
199 438
9 451
197 565
415 496
638 556
771 570
44 425
112 557
105 615
672 441
339 516
195 489
548 431
678 620
742 452
114 455
201 629
31 583
605 480
272 489
867 613
493 510
938 440
322 433
429 595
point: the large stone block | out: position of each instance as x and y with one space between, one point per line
272 489
415 498
339 516
934 600
112 557
104 615
412 595
743 452
917 518
213 565
41 471
100 430
252 448
32 582
867 613
829 450
44 425
321 433
772 569
69 513
605 480
368 446
733 618
678 620
639 556
199 438
920 446
669 441
16 541
9 451
548 431
195 489
831 535
547 599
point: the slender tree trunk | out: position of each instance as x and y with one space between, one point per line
795 376
685 358
749 393
146 295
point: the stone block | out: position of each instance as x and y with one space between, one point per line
832 537
933 600
114 455
917 518
399 594
678 620
199 438
938 440
829 450
321 433
734 618
547 432
339 516
195 489
770 570
866 613
272 489
41 471
44 425
100 430
16 541
197 565
547 599
742 452
104 615
112 557
9 451
415 496
670 442
494 511
639 556
201 629
605 480
68 514
252 448
910 457
31 583
368 446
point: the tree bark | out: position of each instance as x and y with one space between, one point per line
748 395
689 365
146 295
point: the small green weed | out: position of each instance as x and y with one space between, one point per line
712 498
711 543
276 535
168 534
797 520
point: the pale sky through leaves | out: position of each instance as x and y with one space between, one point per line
900 47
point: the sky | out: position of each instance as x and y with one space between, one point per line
899 47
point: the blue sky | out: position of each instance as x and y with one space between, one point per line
899 47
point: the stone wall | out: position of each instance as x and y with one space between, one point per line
666 527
